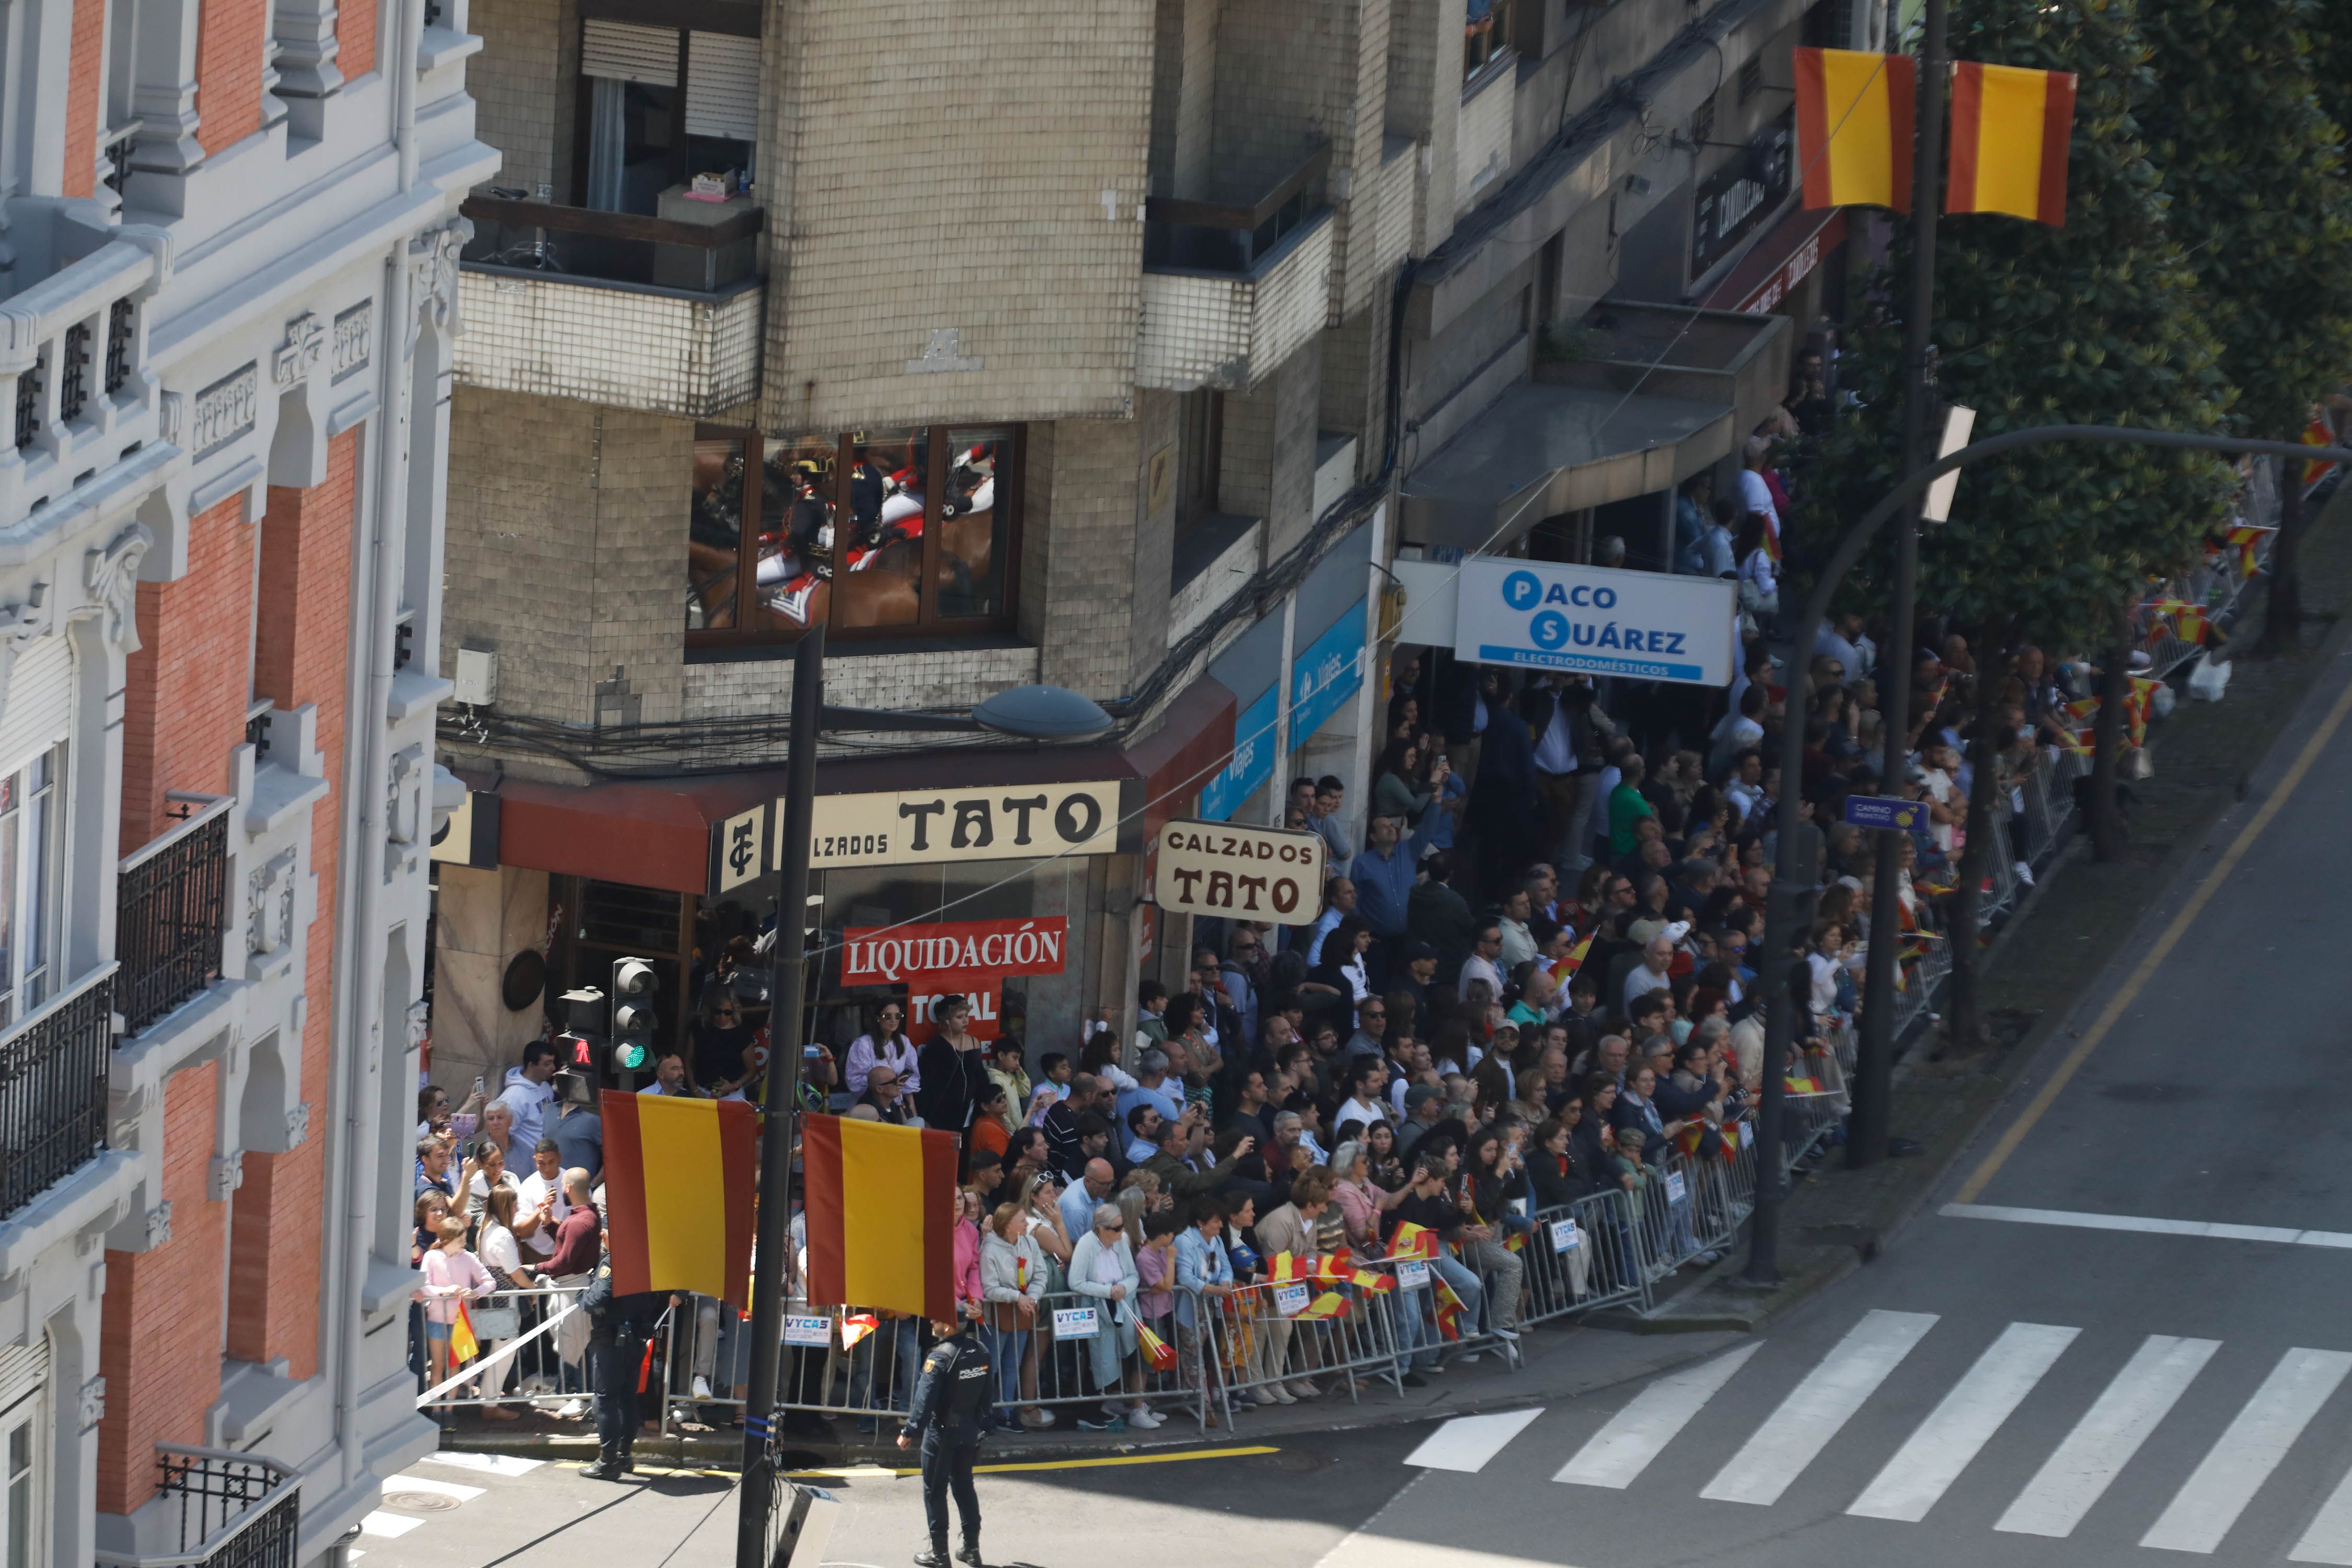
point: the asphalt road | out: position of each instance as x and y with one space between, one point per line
2070 1360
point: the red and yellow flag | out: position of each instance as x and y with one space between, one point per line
1331 1304
463 1346
2318 433
878 1232
2010 133
679 1179
1855 118
1572 961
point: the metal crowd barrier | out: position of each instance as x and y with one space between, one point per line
1584 1256
1263 1342
547 1370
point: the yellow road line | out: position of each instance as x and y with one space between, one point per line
2158 954
1087 1464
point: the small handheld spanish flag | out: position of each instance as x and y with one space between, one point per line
1331 1304
463 1346
2010 129
1158 1354
1285 1270
1854 119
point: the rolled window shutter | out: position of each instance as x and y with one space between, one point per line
722 86
39 703
624 51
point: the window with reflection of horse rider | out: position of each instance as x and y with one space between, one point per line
807 519
971 483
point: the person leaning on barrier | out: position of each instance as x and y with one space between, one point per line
949 1415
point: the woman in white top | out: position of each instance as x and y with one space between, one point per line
1012 1281
499 1254
1823 962
885 1043
1103 1267
1759 594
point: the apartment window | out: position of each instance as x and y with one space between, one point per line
1751 78
663 105
28 884
1486 35
20 1497
872 531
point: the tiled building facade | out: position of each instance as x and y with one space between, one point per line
1119 347
228 243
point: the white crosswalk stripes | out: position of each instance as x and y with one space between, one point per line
1467 1442
2202 1511
1924 1469
1620 1451
2330 1538
2104 1441
2031 1396
1802 1426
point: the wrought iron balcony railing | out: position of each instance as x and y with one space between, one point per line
170 900
53 1071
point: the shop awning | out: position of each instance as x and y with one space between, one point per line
1777 263
1544 449
658 832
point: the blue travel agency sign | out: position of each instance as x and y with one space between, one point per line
1647 624
1252 763
1328 673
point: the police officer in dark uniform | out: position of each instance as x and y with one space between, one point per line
618 1329
950 1402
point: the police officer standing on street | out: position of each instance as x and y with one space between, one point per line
618 1329
950 1402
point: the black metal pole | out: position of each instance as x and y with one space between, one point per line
1874 1087
781 1099
1772 972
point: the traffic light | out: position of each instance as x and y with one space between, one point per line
634 1021
580 1044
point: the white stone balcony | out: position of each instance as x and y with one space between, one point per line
85 420
659 314
1233 288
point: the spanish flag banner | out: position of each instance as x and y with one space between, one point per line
878 1231
679 1178
463 1346
2010 133
1854 120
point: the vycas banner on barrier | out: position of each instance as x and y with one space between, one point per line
1597 620
1218 869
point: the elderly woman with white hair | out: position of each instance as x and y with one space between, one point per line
1102 1265
1360 1200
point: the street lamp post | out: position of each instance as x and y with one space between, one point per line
1027 712
1775 973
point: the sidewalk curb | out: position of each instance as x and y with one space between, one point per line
723 1452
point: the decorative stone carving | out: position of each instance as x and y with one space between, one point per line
298 1125
159 1224
432 271
223 1175
304 351
269 904
170 416
90 1401
111 576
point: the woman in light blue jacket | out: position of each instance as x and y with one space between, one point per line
1102 1265
1203 1268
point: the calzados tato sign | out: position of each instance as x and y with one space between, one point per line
1217 868
911 827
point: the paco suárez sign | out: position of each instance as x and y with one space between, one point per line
1595 619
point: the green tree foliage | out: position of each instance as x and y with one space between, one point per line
2097 322
2254 170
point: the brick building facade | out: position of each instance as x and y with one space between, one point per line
229 276
1120 347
